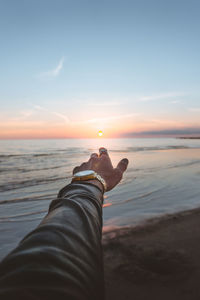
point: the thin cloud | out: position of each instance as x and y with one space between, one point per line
95 120
64 117
59 115
108 119
39 108
55 72
160 96
26 113
99 103
163 122
175 102
194 109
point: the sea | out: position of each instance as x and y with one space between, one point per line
163 177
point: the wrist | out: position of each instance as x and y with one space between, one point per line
94 182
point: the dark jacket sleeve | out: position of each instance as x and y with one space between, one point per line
62 258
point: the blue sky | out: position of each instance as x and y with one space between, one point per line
93 64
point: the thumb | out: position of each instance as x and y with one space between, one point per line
122 165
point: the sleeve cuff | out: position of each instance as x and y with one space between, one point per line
83 186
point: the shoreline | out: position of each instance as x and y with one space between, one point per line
149 224
189 138
158 259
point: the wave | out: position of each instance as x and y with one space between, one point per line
153 148
46 197
22 170
185 164
22 220
27 183
26 155
58 152
81 151
8 218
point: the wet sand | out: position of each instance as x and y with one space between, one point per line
157 260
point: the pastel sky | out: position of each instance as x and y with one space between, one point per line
69 68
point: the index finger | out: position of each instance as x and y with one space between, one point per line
102 151
104 156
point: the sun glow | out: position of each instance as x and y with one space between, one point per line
100 133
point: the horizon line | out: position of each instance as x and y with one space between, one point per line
101 138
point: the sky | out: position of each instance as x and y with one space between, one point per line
69 68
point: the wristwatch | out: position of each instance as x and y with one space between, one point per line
88 175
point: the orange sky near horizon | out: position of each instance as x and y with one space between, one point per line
116 127
116 120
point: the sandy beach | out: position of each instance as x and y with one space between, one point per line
156 260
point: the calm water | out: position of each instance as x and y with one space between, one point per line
163 177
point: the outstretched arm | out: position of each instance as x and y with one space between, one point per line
62 257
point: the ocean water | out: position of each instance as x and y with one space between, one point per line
163 177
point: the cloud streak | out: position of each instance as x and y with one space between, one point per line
107 103
160 96
59 115
54 72
112 118
194 109
88 121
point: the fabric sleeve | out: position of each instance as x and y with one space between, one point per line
61 258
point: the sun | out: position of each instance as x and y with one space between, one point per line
100 133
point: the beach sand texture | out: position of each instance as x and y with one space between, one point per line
159 260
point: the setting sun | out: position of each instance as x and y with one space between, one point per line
100 133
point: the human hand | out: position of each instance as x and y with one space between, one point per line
102 165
